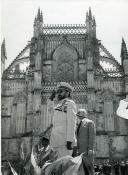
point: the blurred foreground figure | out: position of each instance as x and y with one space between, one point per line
42 153
66 165
122 110
45 162
86 133
126 168
63 137
122 168
116 168
107 169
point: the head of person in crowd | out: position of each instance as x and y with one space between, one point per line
44 140
116 162
122 163
81 114
126 162
64 90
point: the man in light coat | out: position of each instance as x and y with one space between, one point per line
64 120
122 110
86 133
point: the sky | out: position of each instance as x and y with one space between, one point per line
17 17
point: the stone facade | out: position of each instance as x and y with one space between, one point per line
70 53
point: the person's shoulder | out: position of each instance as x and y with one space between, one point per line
70 101
86 120
123 101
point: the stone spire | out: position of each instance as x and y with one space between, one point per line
90 24
39 16
124 52
94 21
3 56
94 26
124 57
90 14
3 51
87 17
38 22
124 62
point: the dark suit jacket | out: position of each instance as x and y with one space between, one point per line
86 136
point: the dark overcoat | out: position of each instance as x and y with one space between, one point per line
86 136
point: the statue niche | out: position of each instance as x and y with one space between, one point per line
64 66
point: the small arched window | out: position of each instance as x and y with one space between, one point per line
108 111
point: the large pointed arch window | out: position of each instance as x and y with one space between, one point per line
65 63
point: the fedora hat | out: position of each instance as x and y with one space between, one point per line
82 113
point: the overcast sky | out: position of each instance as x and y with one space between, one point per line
18 16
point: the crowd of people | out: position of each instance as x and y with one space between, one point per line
72 135
114 168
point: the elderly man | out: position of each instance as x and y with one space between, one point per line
64 120
122 110
86 139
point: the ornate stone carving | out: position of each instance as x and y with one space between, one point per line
99 102
119 146
99 122
108 95
102 147
82 73
38 61
65 69
65 64
20 97
46 74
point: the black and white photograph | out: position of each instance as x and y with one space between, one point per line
64 87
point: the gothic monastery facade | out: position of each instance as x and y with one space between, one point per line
70 53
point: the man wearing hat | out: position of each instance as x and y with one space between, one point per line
64 120
86 133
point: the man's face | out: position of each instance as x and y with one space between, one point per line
61 94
